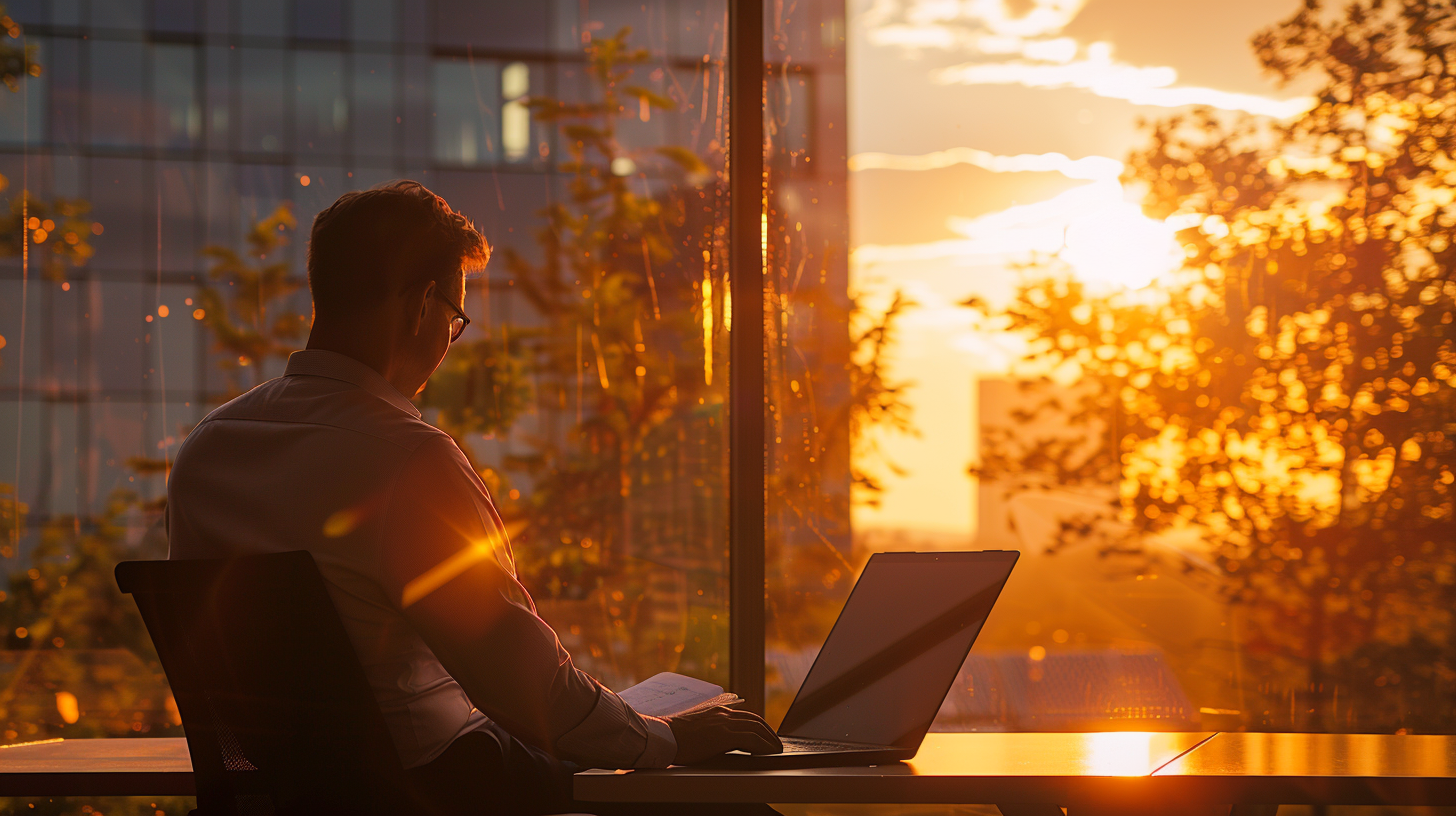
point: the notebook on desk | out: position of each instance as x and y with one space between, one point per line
889 661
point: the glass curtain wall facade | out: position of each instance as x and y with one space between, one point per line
186 147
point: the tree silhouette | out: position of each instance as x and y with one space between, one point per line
1290 393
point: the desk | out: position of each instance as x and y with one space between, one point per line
98 767
1121 773
1135 773
1353 769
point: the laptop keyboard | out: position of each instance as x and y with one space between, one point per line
801 745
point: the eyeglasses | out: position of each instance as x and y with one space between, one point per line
458 322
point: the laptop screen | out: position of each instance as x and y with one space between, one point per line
897 646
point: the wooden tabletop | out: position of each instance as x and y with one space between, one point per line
143 766
950 769
1356 769
1107 772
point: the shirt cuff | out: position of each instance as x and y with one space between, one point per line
612 736
661 747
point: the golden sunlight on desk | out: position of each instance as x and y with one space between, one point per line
1375 756
1113 753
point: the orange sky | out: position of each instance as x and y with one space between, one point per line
1012 78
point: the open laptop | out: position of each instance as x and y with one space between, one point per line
889 661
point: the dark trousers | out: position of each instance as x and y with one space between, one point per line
492 772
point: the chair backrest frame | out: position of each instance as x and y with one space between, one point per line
278 714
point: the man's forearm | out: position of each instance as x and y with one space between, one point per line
615 736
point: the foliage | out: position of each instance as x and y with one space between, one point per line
618 291
246 308
1290 394
16 62
57 231
875 403
79 662
12 518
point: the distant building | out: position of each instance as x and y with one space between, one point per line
183 122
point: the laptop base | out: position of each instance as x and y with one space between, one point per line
809 759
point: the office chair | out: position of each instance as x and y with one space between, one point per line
278 715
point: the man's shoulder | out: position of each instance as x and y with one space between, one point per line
330 406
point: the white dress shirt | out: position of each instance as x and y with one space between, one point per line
330 458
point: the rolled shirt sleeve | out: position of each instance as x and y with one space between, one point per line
620 736
446 560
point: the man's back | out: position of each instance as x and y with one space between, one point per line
332 458
310 461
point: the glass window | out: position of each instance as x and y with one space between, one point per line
817 404
174 82
1186 367
319 19
176 15
11 365
62 76
177 343
262 18
63 305
118 97
467 112
590 389
376 127
513 26
262 97
180 201
320 107
23 111
216 122
122 204
31 451
419 114
122 15
217 16
121 335
29 12
373 20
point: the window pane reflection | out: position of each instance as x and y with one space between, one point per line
815 402
589 389
174 80
320 108
467 113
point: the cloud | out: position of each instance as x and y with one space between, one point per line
1089 168
1106 77
1029 50
1104 237
1044 18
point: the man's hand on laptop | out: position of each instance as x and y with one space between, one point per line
706 734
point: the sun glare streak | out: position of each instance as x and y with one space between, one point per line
446 571
1087 168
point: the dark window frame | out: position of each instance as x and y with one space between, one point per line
746 423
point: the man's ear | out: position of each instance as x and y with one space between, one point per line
425 295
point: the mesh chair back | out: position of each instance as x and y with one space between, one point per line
278 715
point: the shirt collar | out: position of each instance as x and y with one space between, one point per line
335 366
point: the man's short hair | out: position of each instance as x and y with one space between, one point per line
371 244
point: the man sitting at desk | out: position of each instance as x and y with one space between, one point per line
481 699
